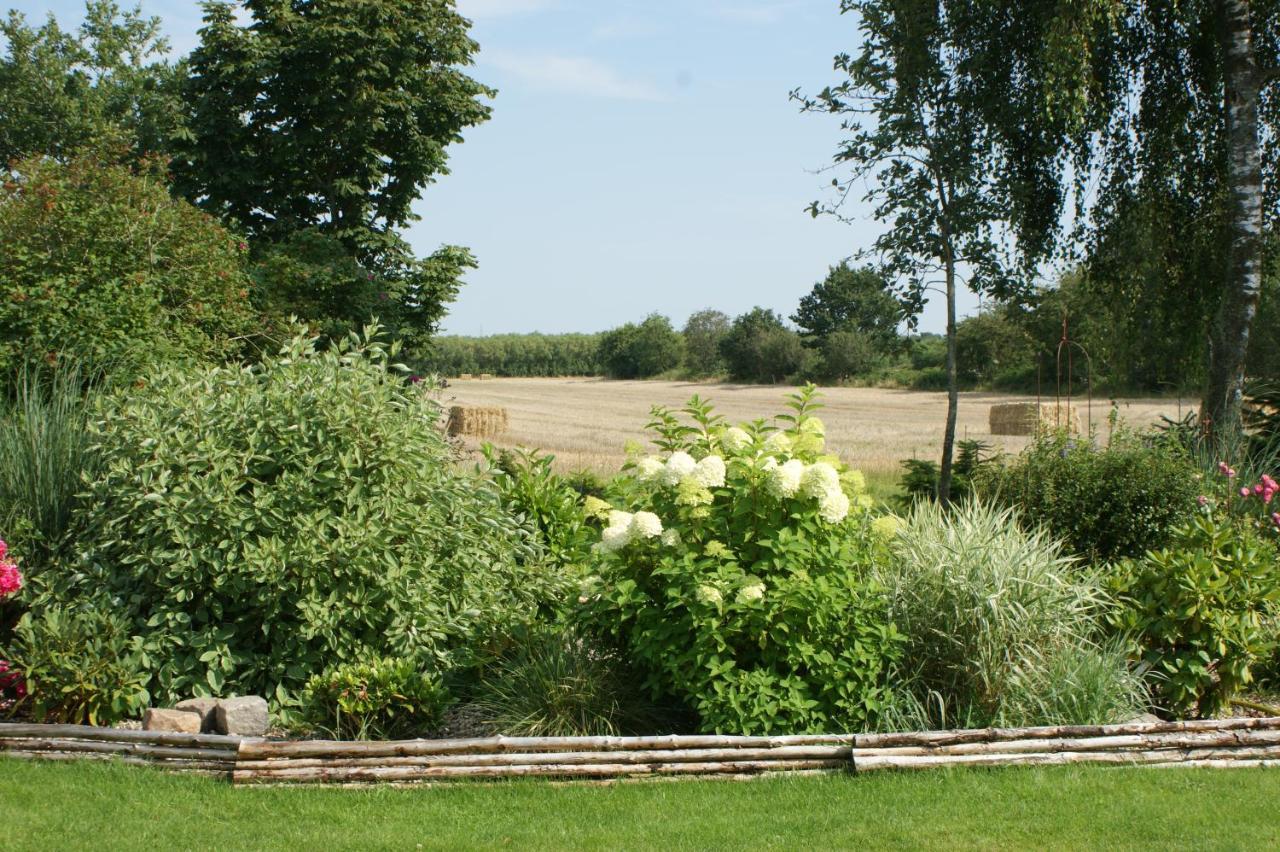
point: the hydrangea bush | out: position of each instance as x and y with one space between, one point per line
734 570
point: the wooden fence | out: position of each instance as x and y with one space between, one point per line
1225 742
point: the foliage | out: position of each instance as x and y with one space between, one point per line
851 300
760 348
514 355
998 624
1102 503
530 490
103 87
920 477
557 684
100 263
640 351
737 577
382 699
260 524
848 353
703 332
989 346
45 455
80 664
1197 611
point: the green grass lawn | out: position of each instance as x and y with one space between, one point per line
103 806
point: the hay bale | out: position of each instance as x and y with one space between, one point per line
1029 418
486 376
465 376
477 421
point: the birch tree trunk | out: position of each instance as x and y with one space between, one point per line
1243 276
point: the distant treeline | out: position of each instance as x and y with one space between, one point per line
517 355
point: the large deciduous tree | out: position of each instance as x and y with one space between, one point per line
333 116
851 299
918 140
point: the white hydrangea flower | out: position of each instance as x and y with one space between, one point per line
813 426
833 508
769 464
751 592
649 468
680 465
618 518
820 479
710 472
709 595
671 538
615 538
645 525
784 480
735 440
777 443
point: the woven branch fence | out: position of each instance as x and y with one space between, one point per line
1219 743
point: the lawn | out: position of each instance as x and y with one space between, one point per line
102 806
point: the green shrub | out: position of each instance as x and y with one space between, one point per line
554 684
45 452
848 353
1198 611
81 666
999 626
101 263
1102 503
531 490
384 699
920 476
262 524
736 580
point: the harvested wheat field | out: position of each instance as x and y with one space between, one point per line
587 423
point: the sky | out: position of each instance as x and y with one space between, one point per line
643 156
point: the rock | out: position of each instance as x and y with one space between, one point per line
181 721
1144 719
245 716
205 707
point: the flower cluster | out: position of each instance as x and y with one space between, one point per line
1258 496
625 527
10 576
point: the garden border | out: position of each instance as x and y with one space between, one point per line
1215 742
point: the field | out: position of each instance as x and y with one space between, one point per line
587 423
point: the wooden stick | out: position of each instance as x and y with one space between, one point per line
587 757
116 735
403 773
872 763
140 749
222 767
1113 743
926 738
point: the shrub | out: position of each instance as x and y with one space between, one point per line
920 477
1102 503
556 684
100 262
846 354
80 665
45 453
998 624
531 490
702 333
736 579
262 524
384 699
641 351
1198 611
760 348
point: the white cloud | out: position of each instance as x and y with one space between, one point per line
573 74
479 9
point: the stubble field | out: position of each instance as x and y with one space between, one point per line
587 423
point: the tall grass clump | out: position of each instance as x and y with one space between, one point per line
1001 628
45 451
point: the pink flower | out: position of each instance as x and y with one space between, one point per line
10 578
4 549
1223 467
1202 500
1275 517
1244 492
1258 489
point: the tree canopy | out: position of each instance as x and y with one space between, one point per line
851 299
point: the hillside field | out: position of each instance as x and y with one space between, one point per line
587 422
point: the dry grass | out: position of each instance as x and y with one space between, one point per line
586 423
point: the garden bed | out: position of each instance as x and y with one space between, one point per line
1218 743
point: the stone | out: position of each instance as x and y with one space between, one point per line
206 707
180 721
244 716
1144 719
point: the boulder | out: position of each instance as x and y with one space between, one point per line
180 721
203 706
244 716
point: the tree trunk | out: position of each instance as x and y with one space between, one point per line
953 393
1230 339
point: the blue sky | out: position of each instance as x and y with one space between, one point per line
642 156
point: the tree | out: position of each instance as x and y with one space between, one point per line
702 335
106 86
918 139
851 299
847 353
760 348
640 351
1168 113
333 116
101 264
